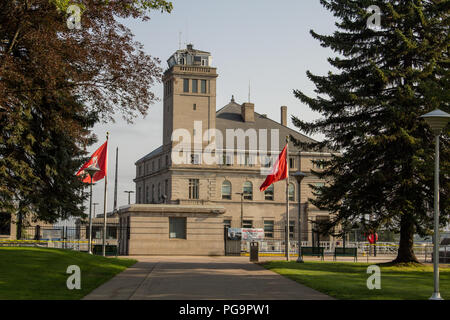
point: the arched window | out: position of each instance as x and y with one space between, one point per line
248 190
268 194
226 190
291 192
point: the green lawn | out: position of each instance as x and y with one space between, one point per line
345 280
38 273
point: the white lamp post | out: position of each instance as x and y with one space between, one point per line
437 120
91 170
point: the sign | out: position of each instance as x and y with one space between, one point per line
234 234
246 234
252 234
51 234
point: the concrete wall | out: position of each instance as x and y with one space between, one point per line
149 230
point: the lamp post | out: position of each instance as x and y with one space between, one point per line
299 176
437 120
91 170
242 194
129 194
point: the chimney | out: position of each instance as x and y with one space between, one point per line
248 112
284 116
190 46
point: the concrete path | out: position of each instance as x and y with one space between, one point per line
200 278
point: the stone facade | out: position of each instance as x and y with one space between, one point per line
159 180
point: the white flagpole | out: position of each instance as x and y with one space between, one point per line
104 202
287 200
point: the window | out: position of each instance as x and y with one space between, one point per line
193 188
291 229
195 86
195 159
195 106
166 187
185 85
5 223
167 160
248 224
291 192
319 185
147 194
248 190
177 228
226 190
153 166
267 162
268 228
159 163
226 160
268 194
203 83
291 163
159 191
153 193
227 223
139 195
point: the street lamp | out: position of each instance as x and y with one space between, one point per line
437 120
242 194
129 194
91 170
299 176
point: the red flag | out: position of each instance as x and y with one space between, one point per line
279 171
100 159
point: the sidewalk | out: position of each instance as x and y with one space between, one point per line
199 278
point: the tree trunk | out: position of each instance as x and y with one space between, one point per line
405 251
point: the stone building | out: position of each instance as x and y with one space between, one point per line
236 134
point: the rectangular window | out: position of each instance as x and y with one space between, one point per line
291 163
195 86
227 223
193 189
248 224
185 85
195 106
268 228
203 86
291 229
5 223
177 228
166 187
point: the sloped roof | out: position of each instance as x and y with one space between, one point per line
229 117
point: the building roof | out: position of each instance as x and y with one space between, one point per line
229 117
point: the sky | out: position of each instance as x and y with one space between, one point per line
266 43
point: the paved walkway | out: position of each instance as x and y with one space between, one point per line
198 278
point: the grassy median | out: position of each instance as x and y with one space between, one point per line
344 280
38 273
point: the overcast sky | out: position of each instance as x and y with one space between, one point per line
265 42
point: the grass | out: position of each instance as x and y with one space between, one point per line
40 274
346 280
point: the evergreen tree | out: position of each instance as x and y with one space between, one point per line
387 78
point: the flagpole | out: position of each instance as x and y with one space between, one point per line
104 197
287 200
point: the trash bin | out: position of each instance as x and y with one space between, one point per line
254 251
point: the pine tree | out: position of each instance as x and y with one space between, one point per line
387 77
